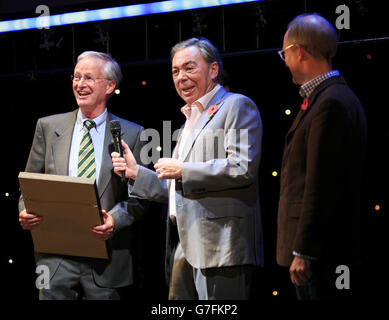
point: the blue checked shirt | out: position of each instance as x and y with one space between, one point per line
307 88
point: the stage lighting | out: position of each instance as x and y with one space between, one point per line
112 13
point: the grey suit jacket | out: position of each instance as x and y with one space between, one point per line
50 154
217 201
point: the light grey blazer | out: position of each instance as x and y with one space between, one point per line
50 154
217 201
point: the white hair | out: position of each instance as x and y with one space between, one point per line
111 69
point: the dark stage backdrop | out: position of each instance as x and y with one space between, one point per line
34 82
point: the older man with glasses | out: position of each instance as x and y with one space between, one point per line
79 143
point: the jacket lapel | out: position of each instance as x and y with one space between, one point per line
202 122
311 100
61 144
296 121
106 167
61 150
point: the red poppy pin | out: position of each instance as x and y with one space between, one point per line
304 105
212 110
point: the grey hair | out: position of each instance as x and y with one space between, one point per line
207 50
315 34
111 69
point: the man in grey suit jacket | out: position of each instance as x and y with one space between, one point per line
214 226
55 151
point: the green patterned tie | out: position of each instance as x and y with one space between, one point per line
86 155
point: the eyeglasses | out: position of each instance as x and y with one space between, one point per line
88 79
282 52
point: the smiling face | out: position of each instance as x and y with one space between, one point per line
92 90
193 77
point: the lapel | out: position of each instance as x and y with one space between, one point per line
311 100
106 167
62 142
296 121
202 122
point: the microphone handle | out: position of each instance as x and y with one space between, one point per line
119 149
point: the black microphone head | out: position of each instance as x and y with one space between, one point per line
115 127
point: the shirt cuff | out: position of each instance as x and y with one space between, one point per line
303 256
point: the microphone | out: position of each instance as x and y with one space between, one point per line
116 134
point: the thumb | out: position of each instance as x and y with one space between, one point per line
128 155
126 148
104 214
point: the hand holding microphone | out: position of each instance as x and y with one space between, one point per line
116 134
124 163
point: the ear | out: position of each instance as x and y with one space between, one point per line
110 87
214 69
302 54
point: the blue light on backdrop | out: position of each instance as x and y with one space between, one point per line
112 13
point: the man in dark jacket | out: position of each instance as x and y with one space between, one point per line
318 214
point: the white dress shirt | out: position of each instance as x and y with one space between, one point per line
192 114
